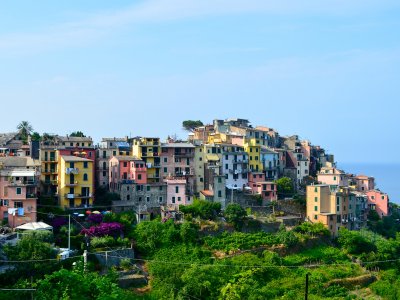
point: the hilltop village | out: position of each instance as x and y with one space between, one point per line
232 212
228 161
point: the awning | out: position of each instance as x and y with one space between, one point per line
35 226
22 173
212 157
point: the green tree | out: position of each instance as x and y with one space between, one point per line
189 232
285 186
24 129
206 210
77 134
190 125
149 236
35 136
236 215
77 284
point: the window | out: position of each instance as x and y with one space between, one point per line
165 170
177 189
114 153
104 173
316 190
372 197
140 199
315 208
201 179
139 177
338 220
160 199
337 208
179 199
128 197
315 217
383 197
18 204
219 194
148 188
148 199
226 166
165 159
219 180
19 191
160 188
200 159
125 164
334 177
85 177
72 165
173 199
316 199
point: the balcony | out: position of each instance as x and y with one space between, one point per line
78 196
22 183
49 159
74 171
242 161
31 196
184 155
73 183
50 171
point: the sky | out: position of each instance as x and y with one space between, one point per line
326 70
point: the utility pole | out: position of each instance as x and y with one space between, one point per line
85 253
69 233
306 293
232 194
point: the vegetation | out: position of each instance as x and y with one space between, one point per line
285 187
203 209
185 262
236 215
190 125
77 134
24 129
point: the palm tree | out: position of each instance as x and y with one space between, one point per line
24 129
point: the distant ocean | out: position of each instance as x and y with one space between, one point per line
386 176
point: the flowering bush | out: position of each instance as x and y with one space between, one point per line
58 222
96 219
104 229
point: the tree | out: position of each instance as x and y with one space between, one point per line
236 215
77 134
24 129
77 284
35 136
285 186
190 125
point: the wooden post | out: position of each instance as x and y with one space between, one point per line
306 293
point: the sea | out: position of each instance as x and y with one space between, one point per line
386 176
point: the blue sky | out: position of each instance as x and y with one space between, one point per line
326 70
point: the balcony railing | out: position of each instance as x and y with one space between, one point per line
74 171
78 196
50 171
22 182
183 154
241 161
71 183
49 159
31 196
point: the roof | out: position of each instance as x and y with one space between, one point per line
177 145
7 137
17 161
23 173
74 139
207 193
268 150
35 226
128 158
74 158
212 157
362 177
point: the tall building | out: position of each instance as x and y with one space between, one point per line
148 149
19 183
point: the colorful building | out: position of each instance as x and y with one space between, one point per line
235 166
379 202
75 182
126 169
108 148
333 176
149 149
19 184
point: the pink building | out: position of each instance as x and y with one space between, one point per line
333 176
266 189
126 168
364 183
378 201
176 192
19 181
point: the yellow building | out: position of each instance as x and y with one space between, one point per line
49 170
75 182
148 149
